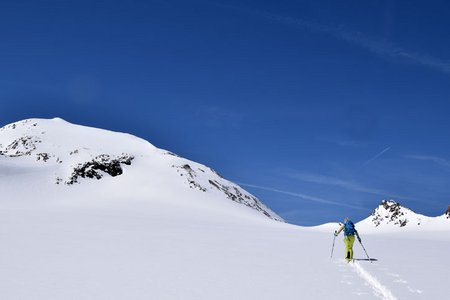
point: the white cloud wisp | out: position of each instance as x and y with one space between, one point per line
302 196
379 47
348 185
442 162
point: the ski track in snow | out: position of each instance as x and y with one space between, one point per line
379 289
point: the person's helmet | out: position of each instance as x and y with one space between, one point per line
346 219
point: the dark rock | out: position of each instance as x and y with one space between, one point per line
98 166
42 156
231 191
389 212
171 153
236 195
191 175
21 146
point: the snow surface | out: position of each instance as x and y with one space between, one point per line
153 235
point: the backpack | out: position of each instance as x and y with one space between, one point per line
349 228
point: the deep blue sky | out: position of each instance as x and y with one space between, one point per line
322 108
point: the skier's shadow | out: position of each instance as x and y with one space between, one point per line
365 259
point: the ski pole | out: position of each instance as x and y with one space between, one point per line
359 240
332 248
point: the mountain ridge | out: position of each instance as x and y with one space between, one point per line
391 215
68 154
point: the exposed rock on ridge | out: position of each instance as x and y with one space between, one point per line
55 151
231 191
100 165
389 211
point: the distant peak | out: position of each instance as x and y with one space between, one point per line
390 211
390 205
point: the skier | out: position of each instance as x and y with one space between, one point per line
349 237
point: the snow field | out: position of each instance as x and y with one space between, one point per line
151 234
93 253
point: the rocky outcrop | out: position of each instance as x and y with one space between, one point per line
190 175
235 194
100 165
70 154
20 147
389 211
209 180
447 213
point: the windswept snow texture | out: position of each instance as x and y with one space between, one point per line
171 234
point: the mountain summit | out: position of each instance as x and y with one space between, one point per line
391 212
391 215
55 156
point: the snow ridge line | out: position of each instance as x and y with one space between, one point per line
379 289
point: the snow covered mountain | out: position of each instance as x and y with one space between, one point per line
55 155
390 215
391 212
97 215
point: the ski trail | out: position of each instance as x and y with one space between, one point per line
379 289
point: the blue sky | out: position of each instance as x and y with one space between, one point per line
320 108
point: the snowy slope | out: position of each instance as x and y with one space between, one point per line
57 152
152 233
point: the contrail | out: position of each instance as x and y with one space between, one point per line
437 160
345 184
302 196
376 46
376 156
